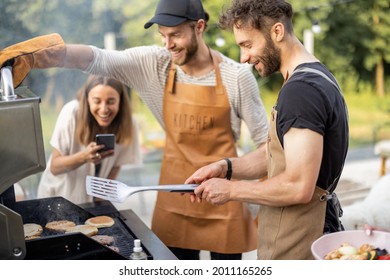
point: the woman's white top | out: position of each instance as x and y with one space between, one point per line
71 185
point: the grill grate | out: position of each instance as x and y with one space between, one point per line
55 245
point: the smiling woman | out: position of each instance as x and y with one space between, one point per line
103 101
102 107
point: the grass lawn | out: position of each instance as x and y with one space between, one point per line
369 118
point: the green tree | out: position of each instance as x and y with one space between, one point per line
77 21
12 28
353 40
379 18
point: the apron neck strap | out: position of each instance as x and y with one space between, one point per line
171 78
215 57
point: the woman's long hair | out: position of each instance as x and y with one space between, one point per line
87 127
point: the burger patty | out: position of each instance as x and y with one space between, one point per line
104 239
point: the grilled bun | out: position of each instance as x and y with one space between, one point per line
100 221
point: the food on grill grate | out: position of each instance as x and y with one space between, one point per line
100 221
114 248
88 230
32 231
104 239
60 225
32 237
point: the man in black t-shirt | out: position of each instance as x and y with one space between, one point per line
312 101
307 144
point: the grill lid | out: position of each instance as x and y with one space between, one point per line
21 143
21 154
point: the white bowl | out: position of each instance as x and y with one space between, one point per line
332 241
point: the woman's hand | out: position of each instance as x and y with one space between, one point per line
65 163
94 155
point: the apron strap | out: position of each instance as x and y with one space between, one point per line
216 60
318 72
171 78
215 57
333 203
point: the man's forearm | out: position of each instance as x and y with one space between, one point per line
250 166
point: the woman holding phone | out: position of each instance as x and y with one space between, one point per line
102 107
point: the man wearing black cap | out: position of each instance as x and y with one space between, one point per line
175 12
197 95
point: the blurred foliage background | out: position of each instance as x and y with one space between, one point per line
351 37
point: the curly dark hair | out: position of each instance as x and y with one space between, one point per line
259 14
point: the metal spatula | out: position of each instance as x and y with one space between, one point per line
117 191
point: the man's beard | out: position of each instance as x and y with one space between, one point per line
190 52
270 59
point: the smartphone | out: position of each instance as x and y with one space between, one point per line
108 140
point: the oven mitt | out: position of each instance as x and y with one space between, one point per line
40 52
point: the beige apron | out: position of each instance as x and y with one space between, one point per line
288 232
198 132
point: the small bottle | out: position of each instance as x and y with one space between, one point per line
138 252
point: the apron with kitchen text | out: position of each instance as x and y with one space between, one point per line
288 232
198 132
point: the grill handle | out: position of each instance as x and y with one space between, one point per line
7 89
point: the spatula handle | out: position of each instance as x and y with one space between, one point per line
178 188
183 191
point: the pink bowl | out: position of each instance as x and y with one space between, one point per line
356 238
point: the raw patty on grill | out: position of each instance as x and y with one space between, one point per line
104 239
114 248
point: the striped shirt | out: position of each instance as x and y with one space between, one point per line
145 70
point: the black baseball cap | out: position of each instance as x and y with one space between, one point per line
175 12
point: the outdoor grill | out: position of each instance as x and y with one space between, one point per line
22 154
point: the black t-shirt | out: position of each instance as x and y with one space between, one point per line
310 101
